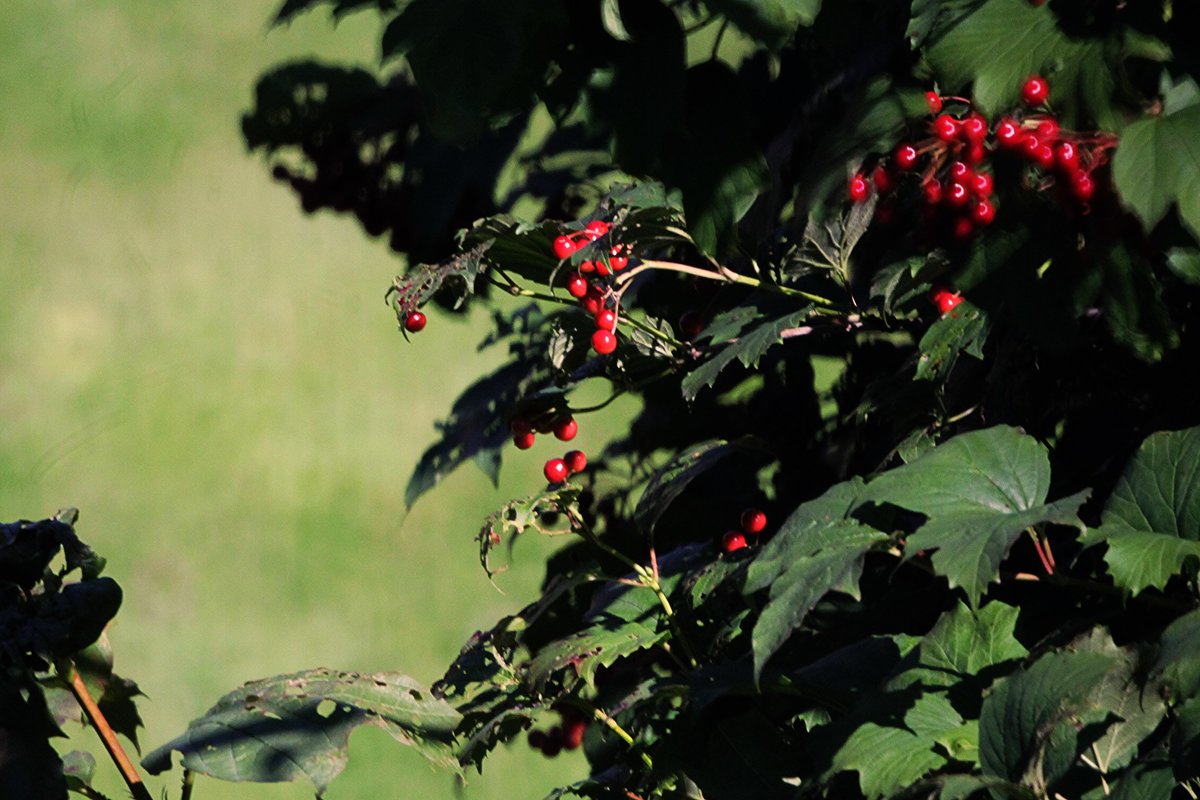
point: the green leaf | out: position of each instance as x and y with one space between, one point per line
769 22
670 481
1132 708
292 726
1084 73
1133 305
1178 663
1185 263
1151 521
78 768
963 330
814 552
747 349
1149 780
962 645
1158 164
1024 719
979 491
610 15
886 759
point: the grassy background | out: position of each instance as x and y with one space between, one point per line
214 380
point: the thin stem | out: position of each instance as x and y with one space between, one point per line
724 275
1047 562
107 736
622 734
189 780
717 41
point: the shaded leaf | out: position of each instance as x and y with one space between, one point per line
963 645
963 330
673 478
1178 663
1185 263
1148 780
291 726
1158 164
747 348
886 759
769 22
979 490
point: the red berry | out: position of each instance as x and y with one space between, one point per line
1047 130
572 733
963 228
576 461
523 440
618 261
1082 186
1067 156
945 128
577 286
415 322
859 188
983 212
564 246
932 192
983 184
753 520
555 470
565 431
959 171
597 226
1044 156
1035 91
974 128
883 180
603 342
906 156
606 320
691 324
587 267
944 299
519 425
975 153
933 101
602 268
733 541
957 194
1008 133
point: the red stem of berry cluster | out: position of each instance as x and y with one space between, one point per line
108 736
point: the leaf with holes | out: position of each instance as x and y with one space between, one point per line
293 726
747 348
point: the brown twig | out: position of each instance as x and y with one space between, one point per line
107 735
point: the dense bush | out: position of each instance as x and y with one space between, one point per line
908 294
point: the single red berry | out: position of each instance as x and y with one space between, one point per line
576 461
618 260
983 184
859 188
523 440
883 179
691 324
1008 133
603 342
733 541
906 156
1067 156
591 236
564 246
572 733
519 425
606 320
587 267
1029 146
753 520
944 299
983 212
1048 130
555 470
974 128
975 153
597 226
1082 186
964 228
958 194
932 192
577 286
415 322
933 102
1036 91
1044 157
602 268
945 127
959 171
565 431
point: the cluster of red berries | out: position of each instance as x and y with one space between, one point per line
944 299
753 523
564 429
567 736
592 296
952 163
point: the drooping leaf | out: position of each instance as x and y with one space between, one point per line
673 478
1158 164
1023 720
979 491
747 348
1151 522
543 512
770 22
887 759
292 726
1084 72
963 330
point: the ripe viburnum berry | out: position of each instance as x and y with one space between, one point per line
415 322
733 541
906 156
945 128
974 128
1067 156
598 226
691 324
1036 91
883 179
604 342
932 191
859 188
572 733
983 184
944 299
606 320
957 194
565 431
933 102
577 286
753 520
619 261
964 228
983 212
555 470
564 246
1082 186
523 440
576 461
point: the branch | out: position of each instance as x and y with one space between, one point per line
107 735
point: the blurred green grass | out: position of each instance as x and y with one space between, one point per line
213 379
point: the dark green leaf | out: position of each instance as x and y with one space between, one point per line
747 349
78 768
770 22
886 759
1134 310
1147 780
670 481
1185 263
292 726
963 330
1179 656
1131 708
963 644
979 491
1151 521
1158 164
